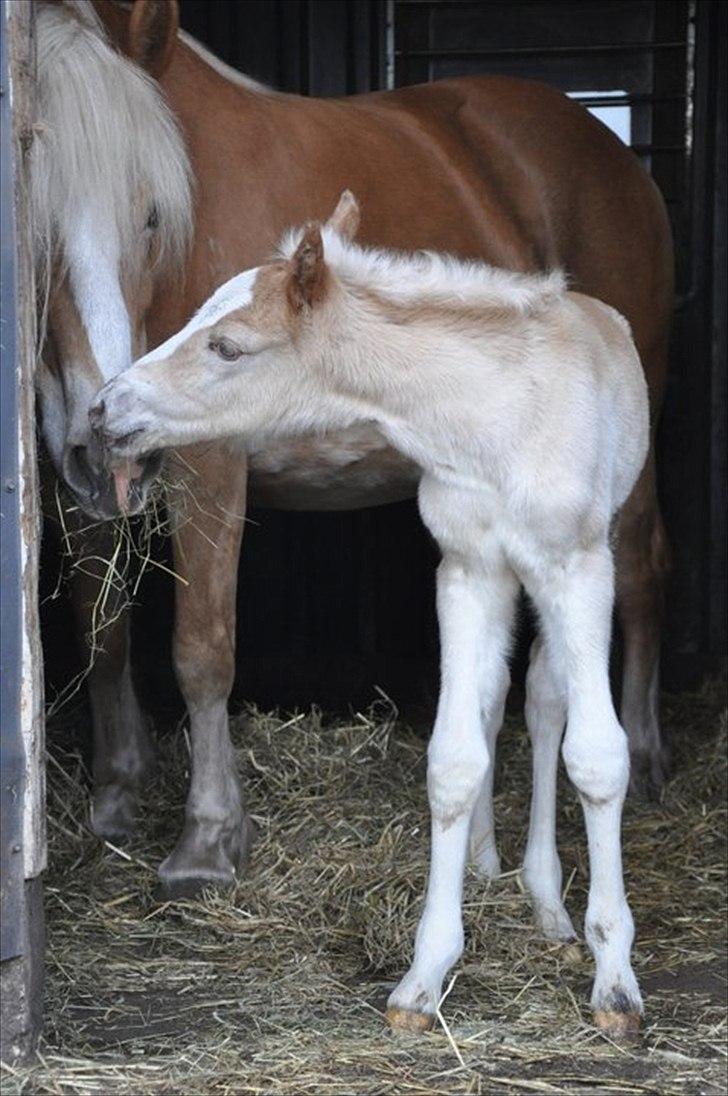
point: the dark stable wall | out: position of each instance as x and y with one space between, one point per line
332 605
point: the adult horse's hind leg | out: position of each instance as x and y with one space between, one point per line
123 755
642 559
214 844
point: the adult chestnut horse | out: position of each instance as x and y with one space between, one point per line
502 170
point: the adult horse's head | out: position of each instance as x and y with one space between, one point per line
112 208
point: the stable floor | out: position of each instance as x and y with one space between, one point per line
278 987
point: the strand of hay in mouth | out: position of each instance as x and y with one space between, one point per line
117 554
278 986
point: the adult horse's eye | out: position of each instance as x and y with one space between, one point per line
152 219
226 349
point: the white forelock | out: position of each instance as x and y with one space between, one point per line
104 136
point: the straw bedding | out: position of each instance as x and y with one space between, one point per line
278 986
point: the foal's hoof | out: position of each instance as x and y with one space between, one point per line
408 1021
114 813
622 1027
571 954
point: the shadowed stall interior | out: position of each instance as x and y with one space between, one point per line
333 605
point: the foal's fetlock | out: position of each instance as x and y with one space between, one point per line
208 854
553 922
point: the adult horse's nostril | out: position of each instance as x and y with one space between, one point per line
77 469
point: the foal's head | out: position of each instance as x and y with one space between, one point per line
243 364
112 209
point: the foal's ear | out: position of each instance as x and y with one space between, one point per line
153 26
346 217
309 273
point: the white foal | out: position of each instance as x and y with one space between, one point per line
526 409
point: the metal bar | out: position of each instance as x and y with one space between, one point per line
628 100
647 150
539 51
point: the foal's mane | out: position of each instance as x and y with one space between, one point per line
104 135
429 277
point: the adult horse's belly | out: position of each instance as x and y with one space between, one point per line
344 470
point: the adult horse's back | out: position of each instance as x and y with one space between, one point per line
503 170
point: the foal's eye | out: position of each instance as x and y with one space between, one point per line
152 219
226 349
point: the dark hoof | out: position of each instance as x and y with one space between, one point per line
177 888
197 863
648 774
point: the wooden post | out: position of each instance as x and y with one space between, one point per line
23 778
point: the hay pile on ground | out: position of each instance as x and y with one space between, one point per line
278 987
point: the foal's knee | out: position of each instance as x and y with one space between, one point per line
597 762
454 779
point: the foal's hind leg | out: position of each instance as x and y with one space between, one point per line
214 844
545 718
575 606
642 559
483 848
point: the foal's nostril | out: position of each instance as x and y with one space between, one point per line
96 414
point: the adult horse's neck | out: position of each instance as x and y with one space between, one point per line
230 131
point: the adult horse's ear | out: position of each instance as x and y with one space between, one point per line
346 217
152 35
308 270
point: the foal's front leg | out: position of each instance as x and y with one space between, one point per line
475 611
214 844
576 608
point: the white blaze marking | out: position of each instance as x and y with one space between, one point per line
232 295
93 263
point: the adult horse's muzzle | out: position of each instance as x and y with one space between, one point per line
128 463
94 485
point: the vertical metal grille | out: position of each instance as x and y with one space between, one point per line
618 55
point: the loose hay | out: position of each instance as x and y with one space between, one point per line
278 987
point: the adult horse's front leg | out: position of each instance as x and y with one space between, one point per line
215 841
123 755
475 611
576 609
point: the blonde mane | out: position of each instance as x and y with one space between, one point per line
427 277
104 134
